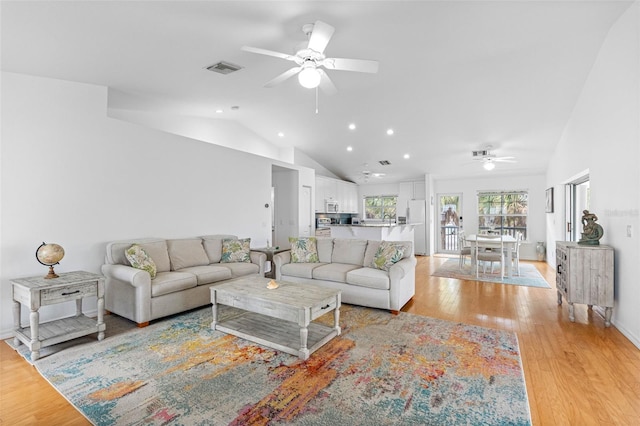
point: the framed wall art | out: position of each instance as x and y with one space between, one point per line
549 198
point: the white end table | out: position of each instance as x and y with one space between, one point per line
35 292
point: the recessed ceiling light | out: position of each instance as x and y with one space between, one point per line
349 148
389 132
352 126
281 134
406 156
219 111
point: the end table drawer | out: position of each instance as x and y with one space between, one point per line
57 295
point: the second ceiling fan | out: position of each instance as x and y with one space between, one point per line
311 60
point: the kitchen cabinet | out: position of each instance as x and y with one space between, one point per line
584 274
342 192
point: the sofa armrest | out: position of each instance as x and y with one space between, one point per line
402 268
259 259
280 259
402 282
133 276
127 292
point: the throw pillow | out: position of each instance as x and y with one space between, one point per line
304 250
139 259
388 253
236 250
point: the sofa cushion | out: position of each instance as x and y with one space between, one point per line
387 254
369 277
186 252
159 253
349 251
240 269
325 249
301 270
208 274
303 250
369 254
139 259
170 282
236 250
333 272
213 245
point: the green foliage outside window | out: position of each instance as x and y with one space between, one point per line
381 207
503 211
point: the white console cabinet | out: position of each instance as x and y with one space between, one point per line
584 274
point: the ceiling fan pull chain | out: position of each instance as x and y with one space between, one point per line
316 99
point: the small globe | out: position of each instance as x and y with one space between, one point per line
49 254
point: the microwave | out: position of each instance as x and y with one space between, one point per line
331 206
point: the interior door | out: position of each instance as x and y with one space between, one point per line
306 214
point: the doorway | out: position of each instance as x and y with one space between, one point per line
577 197
450 208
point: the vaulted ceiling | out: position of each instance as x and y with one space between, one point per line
454 76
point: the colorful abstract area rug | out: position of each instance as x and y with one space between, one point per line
383 370
529 275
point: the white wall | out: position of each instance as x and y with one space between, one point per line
603 136
534 184
73 176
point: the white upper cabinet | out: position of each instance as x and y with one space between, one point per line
407 191
344 193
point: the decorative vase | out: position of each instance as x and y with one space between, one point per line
541 250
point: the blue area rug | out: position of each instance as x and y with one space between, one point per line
529 275
382 370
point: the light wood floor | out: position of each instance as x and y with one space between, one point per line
576 373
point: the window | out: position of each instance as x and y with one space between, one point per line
380 207
505 212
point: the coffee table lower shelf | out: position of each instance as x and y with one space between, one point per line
276 333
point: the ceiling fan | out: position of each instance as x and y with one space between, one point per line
311 59
488 159
365 175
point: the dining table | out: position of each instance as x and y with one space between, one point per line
508 242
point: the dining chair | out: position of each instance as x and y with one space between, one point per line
515 254
464 249
487 250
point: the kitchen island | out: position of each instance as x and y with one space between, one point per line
375 231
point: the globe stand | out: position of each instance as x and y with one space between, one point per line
51 273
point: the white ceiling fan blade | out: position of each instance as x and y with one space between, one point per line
268 53
326 84
358 65
282 77
505 159
320 36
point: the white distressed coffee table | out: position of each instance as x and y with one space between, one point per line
279 318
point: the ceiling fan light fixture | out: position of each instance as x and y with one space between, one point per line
309 77
489 165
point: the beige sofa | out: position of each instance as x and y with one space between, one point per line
186 268
344 265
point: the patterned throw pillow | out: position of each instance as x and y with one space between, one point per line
236 250
304 250
388 253
139 259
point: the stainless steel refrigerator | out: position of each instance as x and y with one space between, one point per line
417 213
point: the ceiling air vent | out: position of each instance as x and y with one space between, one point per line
224 67
481 153
384 163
